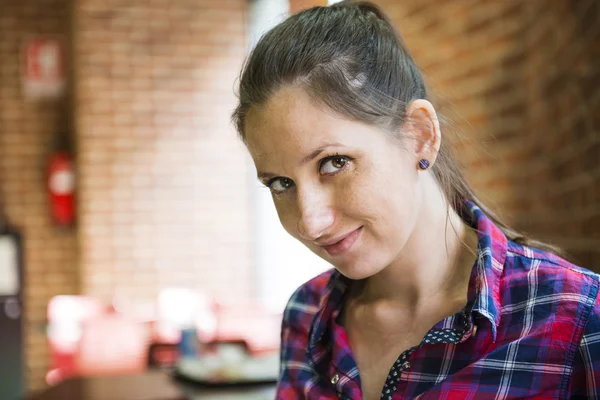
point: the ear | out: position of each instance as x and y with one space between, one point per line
422 123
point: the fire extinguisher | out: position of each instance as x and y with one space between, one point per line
61 187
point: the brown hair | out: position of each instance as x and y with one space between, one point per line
350 57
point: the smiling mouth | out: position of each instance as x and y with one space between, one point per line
344 244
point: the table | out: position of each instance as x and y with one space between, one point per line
151 385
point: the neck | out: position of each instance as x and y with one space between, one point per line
435 265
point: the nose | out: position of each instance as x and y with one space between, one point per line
316 216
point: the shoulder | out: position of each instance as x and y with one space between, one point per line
592 327
298 318
305 301
542 283
544 297
296 374
549 272
585 379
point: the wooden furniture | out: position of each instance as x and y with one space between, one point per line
152 385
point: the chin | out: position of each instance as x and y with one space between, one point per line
356 271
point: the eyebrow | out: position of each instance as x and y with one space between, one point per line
314 154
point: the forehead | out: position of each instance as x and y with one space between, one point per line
287 117
291 122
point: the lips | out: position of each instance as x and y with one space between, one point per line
341 245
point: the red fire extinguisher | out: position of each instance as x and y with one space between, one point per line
61 188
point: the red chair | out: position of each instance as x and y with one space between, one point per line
66 316
87 337
112 345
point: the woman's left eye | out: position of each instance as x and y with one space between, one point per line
332 165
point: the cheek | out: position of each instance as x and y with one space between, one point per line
288 216
383 193
387 180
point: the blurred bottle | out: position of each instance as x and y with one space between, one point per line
189 344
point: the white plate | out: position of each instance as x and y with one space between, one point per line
215 369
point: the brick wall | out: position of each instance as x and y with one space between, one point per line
164 188
27 132
163 180
519 81
297 5
562 85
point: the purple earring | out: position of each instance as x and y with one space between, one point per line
423 164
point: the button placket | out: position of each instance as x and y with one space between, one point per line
402 364
335 379
434 336
393 379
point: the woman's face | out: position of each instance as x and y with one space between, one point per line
348 191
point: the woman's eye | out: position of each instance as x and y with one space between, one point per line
280 185
333 164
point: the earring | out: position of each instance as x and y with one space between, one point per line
423 164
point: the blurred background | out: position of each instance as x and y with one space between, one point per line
123 181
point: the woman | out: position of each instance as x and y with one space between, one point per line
431 296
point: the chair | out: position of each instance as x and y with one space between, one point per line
87 337
66 315
112 345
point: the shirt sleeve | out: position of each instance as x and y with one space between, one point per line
585 381
295 370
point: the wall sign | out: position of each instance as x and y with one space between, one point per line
43 68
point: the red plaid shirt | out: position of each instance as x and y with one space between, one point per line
531 329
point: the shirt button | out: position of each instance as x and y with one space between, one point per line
335 379
406 365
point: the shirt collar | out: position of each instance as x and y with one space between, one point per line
484 284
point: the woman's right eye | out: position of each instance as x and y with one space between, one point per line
280 185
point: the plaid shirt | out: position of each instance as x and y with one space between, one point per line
531 329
